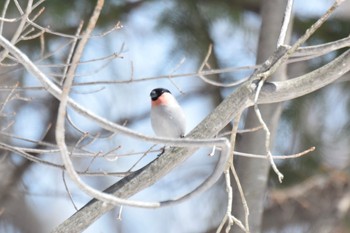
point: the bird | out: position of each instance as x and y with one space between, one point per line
167 117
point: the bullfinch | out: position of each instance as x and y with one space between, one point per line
167 117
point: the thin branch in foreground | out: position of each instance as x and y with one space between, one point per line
241 193
119 217
4 10
63 35
144 154
285 24
267 132
25 34
322 48
10 20
86 73
25 153
91 162
19 8
201 73
182 61
229 218
108 155
237 180
8 98
68 192
292 156
71 51
13 136
7 126
241 131
111 56
20 27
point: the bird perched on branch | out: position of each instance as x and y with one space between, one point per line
167 117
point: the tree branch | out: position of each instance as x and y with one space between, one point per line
285 24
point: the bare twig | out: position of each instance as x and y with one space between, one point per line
10 20
25 154
241 193
108 155
25 35
322 48
171 76
267 134
19 8
142 156
285 24
120 213
68 192
10 135
48 30
241 131
236 177
4 10
70 54
229 218
38 3
292 156
42 45
201 73
20 27
8 98
172 72
3 128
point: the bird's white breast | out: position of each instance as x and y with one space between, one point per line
168 121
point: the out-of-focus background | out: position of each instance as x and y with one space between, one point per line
159 40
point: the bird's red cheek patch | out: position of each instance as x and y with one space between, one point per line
162 100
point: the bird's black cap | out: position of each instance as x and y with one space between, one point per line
155 93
